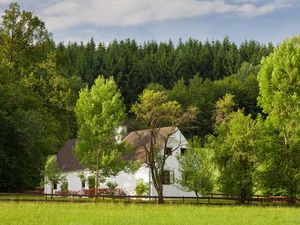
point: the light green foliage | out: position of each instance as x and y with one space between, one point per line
146 214
99 111
155 110
235 148
141 188
279 82
223 109
51 172
197 168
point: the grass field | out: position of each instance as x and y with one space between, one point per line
103 213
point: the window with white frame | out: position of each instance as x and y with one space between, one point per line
168 177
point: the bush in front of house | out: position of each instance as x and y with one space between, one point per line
103 191
112 186
141 188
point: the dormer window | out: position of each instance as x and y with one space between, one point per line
168 151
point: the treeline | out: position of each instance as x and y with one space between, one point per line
40 81
254 153
134 65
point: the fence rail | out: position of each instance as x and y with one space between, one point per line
212 198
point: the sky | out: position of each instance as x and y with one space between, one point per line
162 20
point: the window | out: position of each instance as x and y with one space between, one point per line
168 151
54 185
182 151
83 184
168 177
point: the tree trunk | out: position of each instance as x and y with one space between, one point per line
197 196
52 185
157 182
51 191
160 195
244 196
96 184
292 198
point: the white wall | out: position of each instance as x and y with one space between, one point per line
126 181
176 142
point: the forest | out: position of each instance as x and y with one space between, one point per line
40 81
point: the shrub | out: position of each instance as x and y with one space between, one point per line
141 188
103 191
64 185
112 186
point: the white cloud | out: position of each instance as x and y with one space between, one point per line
5 2
64 14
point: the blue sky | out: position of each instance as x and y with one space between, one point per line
106 20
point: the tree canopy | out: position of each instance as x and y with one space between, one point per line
99 111
279 82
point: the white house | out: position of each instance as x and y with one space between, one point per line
176 143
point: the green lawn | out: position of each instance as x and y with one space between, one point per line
104 213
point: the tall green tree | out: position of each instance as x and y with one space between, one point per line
279 82
28 129
27 135
24 39
235 146
99 111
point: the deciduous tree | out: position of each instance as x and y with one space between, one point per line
99 112
279 82
235 146
155 110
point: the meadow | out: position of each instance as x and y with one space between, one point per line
24 213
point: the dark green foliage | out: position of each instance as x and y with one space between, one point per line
135 66
36 112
